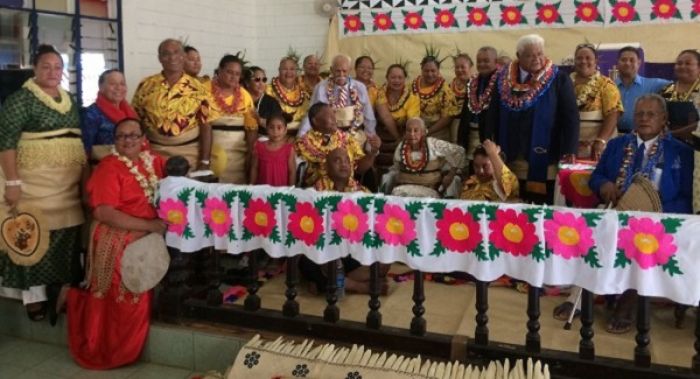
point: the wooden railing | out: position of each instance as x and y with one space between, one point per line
190 291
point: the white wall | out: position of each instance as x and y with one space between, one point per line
264 28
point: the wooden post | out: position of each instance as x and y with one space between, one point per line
331 313
532 338
291 306
586 348
374 317
252 301
418 323
642 356
481 332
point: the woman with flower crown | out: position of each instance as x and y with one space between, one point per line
108 324
599 103
42 159
289 93
233 122
438 106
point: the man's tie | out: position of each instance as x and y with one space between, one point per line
342 97
638 158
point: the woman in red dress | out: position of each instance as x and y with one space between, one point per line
108 324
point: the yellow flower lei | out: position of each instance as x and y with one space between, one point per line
588 90
149 185
63 106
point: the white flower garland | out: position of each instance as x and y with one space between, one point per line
62 106
149 185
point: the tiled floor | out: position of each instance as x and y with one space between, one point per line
22 359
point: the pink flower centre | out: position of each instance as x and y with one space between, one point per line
459 231
568 236
261 218
394 226
646 243
350 222
513 233
175 217
218 216
307 224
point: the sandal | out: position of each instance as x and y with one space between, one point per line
37 314
619 325
563 310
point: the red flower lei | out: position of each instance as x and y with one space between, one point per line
400 102
519 96
476 103
408 163
221 99
436 88
281 93
459 93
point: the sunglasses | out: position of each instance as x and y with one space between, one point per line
263 79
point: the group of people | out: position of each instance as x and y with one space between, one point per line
497 135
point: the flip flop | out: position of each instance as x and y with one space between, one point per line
561 312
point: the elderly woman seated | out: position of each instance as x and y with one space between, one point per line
657 156
424 166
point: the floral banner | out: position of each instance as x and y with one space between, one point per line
606 252
509 14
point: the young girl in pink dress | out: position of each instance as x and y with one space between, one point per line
273 160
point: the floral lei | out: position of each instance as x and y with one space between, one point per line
354 99
434 91
281 93
400 102
520 96
62 106
479 103
587 91
221 99
316 144
410 164
147 185
625 175
459 93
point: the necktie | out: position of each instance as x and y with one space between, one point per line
342 97
638 158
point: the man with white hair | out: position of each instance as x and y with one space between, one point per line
347 97
538 119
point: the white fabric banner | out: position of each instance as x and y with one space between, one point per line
606 252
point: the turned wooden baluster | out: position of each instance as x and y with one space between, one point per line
213 277
175 290
532 338
291 306
374 317
252 301
586 348
481 332
331 313
696 357
642 356
418 323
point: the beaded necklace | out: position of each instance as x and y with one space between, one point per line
149 185
281 93
520 96
479 103
625 174
407 161
220 98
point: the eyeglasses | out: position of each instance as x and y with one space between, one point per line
127 137
263 79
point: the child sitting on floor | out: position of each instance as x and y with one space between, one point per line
492 179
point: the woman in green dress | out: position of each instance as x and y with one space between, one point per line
42 160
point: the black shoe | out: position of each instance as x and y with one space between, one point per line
37 314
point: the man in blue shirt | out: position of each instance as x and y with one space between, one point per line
632 85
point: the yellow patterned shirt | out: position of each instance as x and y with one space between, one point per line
172 110
314 146
372 93
598 94
475 190
288 98
407 107
435 103
245 107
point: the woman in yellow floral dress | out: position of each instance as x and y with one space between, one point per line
234 126
290 94
599 103
364 71
395 104
437 102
